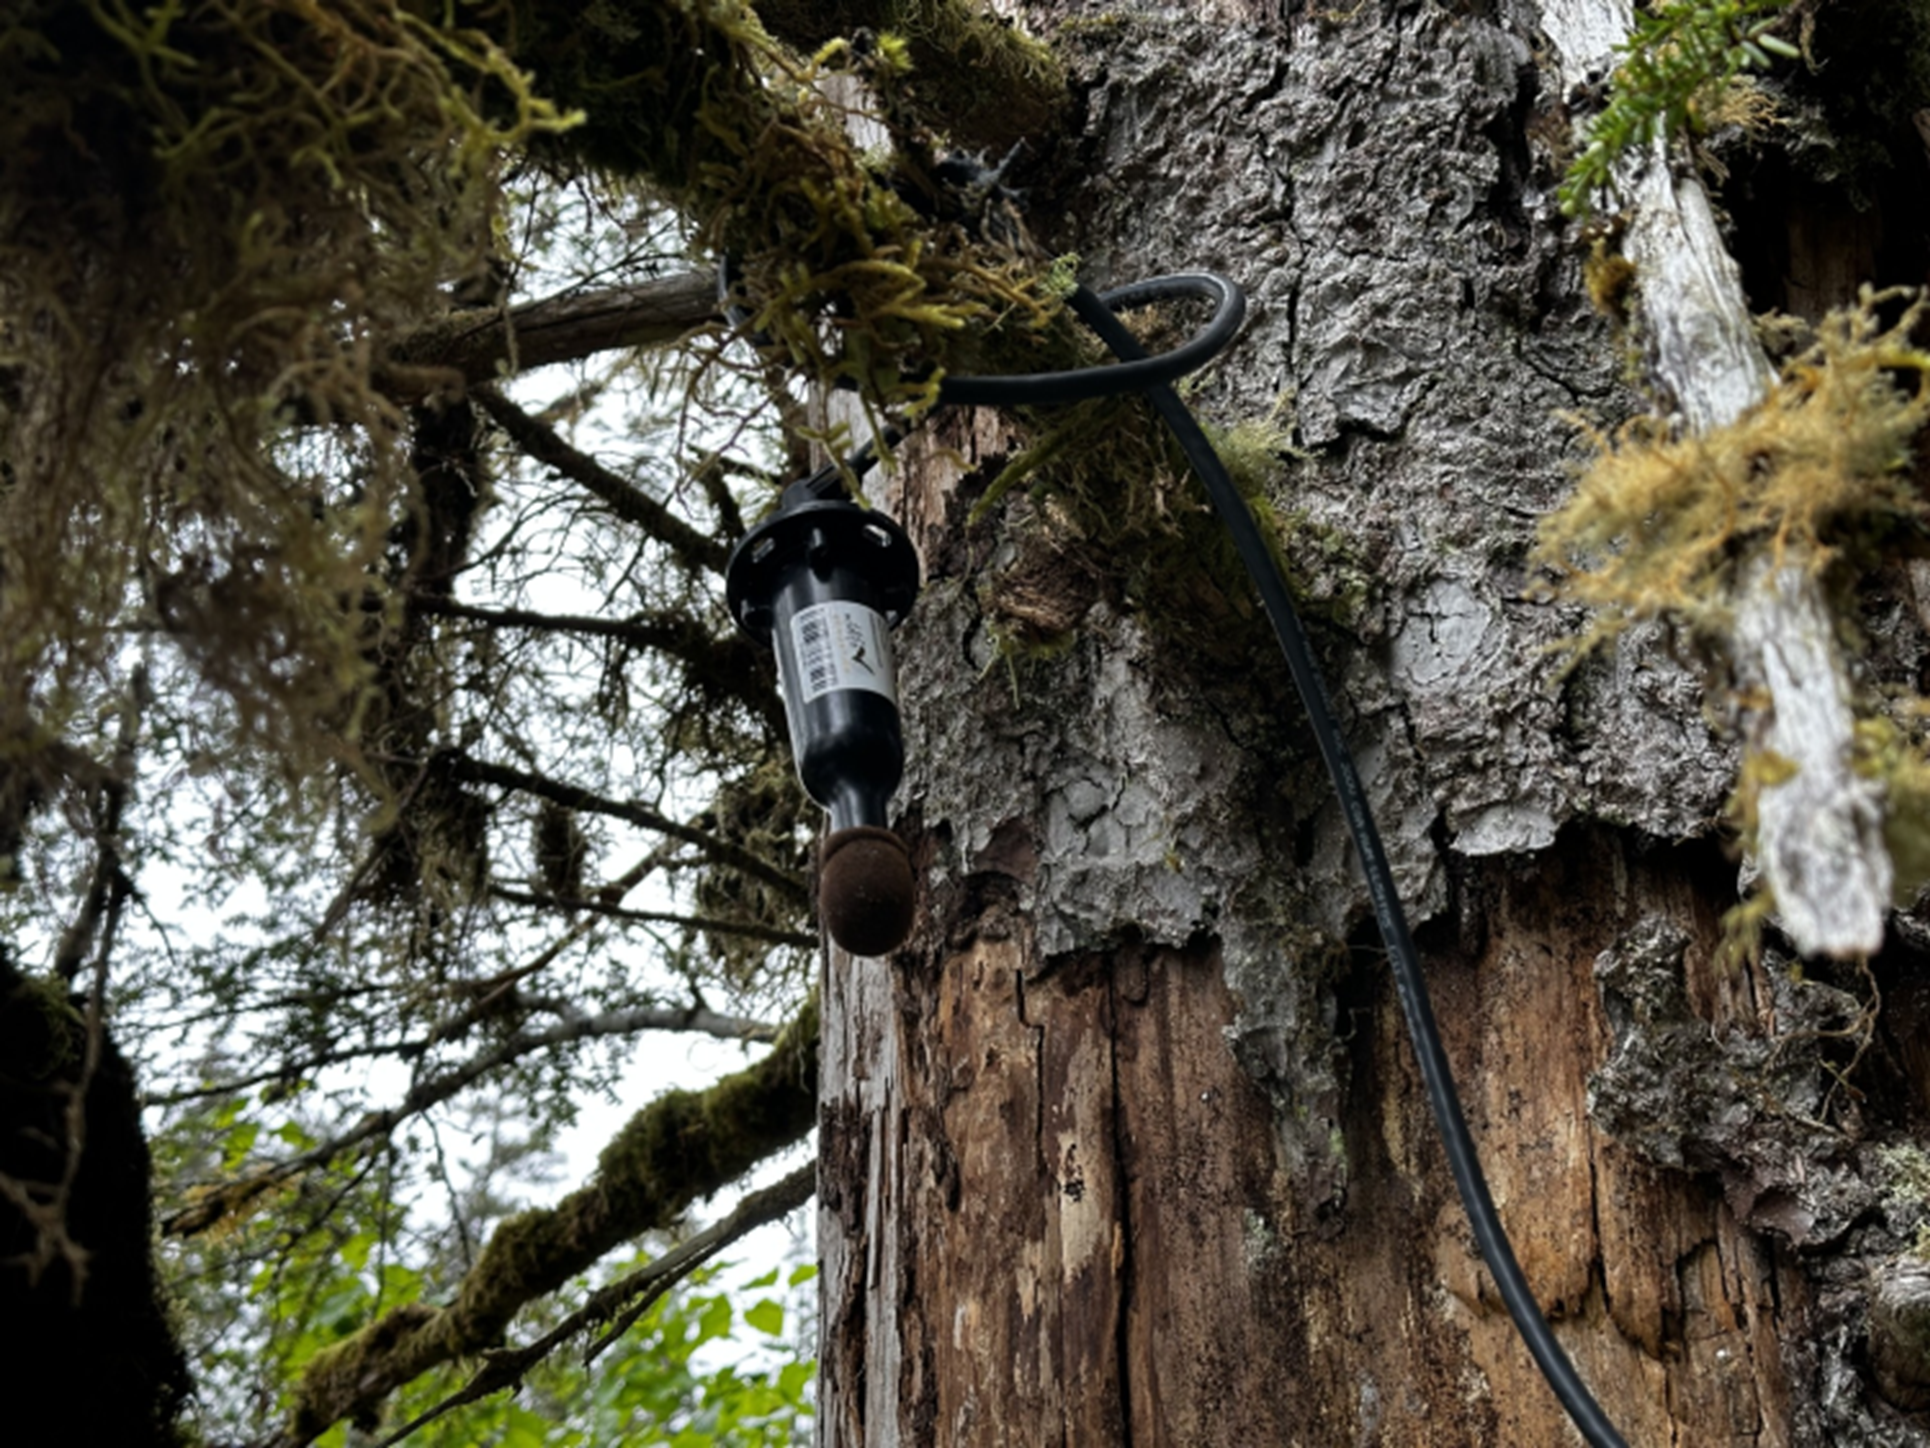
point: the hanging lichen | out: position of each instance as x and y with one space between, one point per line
1819 476
211 213
848 258
215 216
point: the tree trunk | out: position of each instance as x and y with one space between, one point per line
1127 1145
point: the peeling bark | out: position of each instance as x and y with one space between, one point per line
1819 832
1057 1208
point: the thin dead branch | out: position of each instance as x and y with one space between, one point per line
483 344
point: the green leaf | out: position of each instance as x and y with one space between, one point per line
355 1251
714 1321
239 1141
767 1317
525 1430
794 1378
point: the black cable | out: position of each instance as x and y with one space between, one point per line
1096 312
1041 389
1140 374
1139 371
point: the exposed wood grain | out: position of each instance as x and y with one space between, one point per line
1055 1210
1820 831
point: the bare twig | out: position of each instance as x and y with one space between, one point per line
109 887
378 1125
724 852
696 550
695 1019
773 934
730 662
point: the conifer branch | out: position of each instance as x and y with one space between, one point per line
724 852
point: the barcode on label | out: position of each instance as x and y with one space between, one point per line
841 646
814 655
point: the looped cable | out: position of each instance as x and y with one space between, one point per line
1037 389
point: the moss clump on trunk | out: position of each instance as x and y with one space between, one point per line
91 1340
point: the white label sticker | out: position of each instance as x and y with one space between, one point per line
842 645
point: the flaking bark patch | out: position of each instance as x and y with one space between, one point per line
1748 1107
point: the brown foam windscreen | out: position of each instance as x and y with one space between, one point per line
866 891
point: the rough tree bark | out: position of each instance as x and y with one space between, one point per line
1127 1146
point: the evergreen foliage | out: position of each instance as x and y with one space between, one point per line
1679 55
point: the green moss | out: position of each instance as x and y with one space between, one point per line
699 99
1610 279
41 1031
1818 473
969 73
1102 27
1908 1167
1896 757
202 214
1115 498
1667 524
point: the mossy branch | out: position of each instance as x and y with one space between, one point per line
505 1368
974 75
738 136
1818 471
683 1146
480 345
